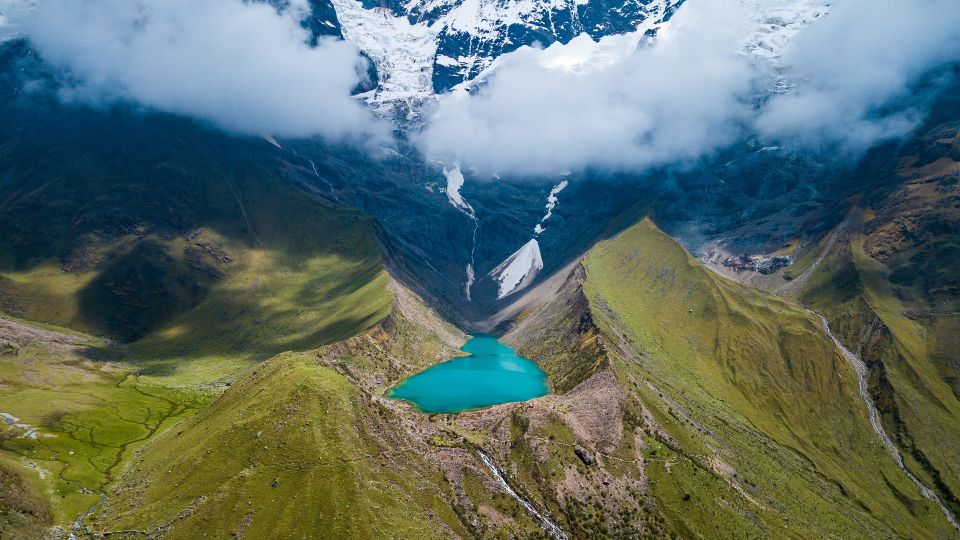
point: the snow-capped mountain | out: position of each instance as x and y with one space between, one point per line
472 33
425 47
421 48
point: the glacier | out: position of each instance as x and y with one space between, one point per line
518 270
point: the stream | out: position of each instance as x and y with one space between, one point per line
861 370
545 523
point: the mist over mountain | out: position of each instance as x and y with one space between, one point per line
479 269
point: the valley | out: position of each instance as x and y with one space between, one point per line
208 334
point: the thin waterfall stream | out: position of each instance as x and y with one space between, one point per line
860 368
545 523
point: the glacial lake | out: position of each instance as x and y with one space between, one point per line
490 375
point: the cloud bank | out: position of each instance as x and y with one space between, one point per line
849 75
242 66
855 73
681 97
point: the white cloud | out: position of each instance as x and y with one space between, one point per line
855 71
672 101
696 89
243 66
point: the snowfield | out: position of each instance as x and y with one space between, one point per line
518 270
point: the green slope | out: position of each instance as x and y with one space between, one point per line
292 450
191 246
888 280
183 256
302 445
89 411
742 378
909 370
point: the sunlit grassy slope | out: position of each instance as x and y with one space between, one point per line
293 449
312 276
296 449
210 264
769 435
912 360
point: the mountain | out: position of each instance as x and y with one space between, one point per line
199 331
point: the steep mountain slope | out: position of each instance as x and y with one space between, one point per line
742 415
886 277
887 280
292 449
188 255
717 349
187 243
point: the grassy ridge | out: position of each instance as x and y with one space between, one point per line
293 449
296 448
766 423
919 407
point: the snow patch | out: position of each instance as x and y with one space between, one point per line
445 60
777 21
454 183
469 283
518 270
551 204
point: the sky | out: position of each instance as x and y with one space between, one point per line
852 78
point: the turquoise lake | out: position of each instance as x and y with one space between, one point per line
492 374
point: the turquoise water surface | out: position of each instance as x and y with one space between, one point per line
492 374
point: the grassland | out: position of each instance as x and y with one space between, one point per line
767 435
293 449
173 285
909 379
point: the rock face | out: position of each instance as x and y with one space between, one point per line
422 47
474 34
758 263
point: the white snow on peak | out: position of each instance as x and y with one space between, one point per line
581 55
402 52
518 270
445 60
454 183
777 21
